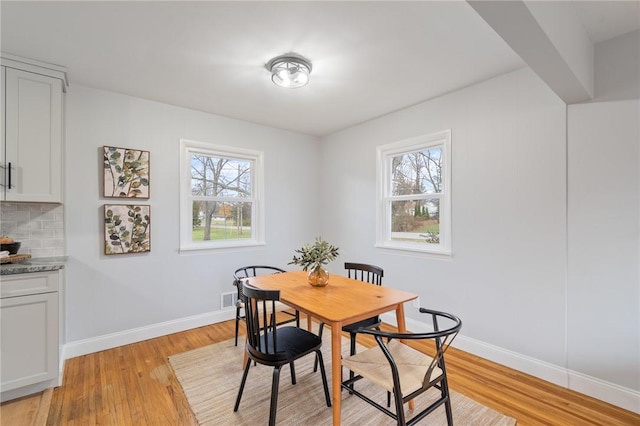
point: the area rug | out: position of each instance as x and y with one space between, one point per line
210 377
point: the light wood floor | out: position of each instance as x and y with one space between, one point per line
134 385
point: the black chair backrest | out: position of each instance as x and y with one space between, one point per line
255 270
442 337
252 271
262 335
363 272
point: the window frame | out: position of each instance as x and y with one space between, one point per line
189 147
384 154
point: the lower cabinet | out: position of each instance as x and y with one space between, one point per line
29 322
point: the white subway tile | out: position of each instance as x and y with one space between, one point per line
39 227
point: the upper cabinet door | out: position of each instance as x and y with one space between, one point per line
3 162
33 138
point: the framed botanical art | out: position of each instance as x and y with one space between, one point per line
127 228
126 173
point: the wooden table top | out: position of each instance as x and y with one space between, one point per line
343 300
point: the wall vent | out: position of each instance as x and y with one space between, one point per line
228 300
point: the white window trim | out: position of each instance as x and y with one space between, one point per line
257 223
383 202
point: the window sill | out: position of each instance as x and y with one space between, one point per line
220 246
418 250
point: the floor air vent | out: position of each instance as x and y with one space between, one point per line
229 300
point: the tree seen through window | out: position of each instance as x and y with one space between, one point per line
221 190
416 173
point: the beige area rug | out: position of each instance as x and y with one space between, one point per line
210 377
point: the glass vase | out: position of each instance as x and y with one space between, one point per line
318 277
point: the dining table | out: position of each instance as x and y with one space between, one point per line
342 302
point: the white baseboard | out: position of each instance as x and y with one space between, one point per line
27 390
609 392
108 341
628 399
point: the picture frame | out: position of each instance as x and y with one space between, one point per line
127 228
126 173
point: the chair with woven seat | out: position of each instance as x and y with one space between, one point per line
404 371
254 271
363 272
275 346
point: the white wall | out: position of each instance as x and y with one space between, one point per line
507 278
120 298
617 68
603 310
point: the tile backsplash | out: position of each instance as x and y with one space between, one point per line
39 227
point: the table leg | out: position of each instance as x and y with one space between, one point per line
402 327
336 370
244 351
309 323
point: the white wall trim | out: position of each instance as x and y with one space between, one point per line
606 391
28 390
612 393
112 340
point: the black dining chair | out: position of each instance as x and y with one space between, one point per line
363 272
404 371
254 271
275 346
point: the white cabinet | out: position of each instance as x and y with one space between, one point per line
29 333
32 138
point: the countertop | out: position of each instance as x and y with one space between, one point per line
38 264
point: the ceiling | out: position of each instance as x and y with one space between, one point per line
369 58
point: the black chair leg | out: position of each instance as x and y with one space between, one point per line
315 363
399 408
324 378
353 344
293 373
237 323
274 396
447 406
444 390
244 379
352 351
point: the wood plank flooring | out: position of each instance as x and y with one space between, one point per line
27 411
134 385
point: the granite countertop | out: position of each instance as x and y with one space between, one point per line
38 264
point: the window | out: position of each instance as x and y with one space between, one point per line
220 197
414 194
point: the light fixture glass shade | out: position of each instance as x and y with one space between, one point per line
289 71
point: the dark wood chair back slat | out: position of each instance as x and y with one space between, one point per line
363 272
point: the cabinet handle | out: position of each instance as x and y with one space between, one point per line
9 175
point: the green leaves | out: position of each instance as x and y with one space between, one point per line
127 229
126 172
314 256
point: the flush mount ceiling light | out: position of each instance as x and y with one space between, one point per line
290 70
